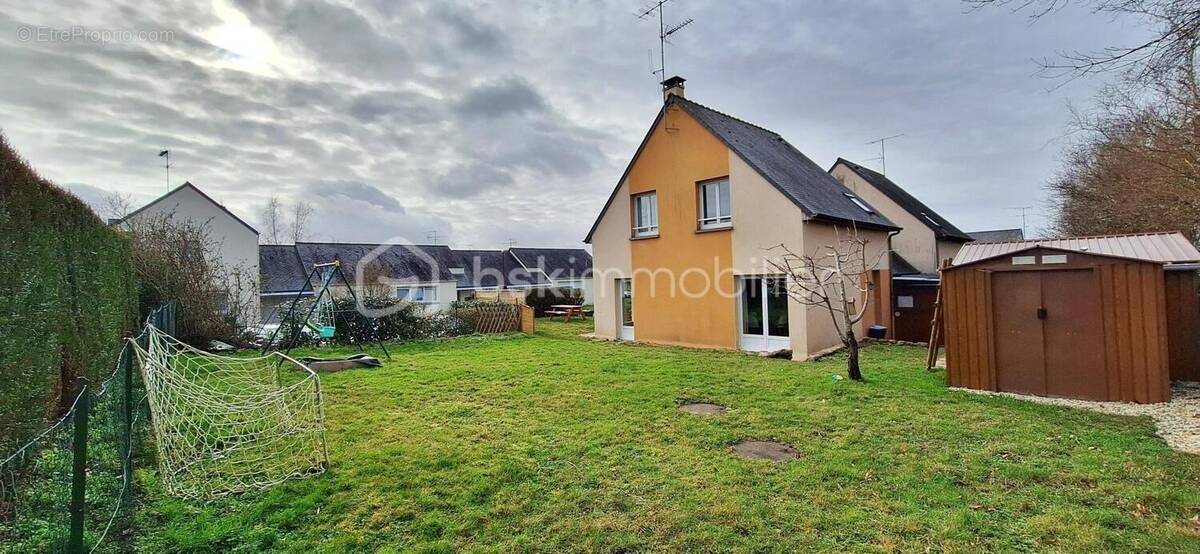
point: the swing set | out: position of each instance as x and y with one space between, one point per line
321 318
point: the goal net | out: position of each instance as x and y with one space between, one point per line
230 424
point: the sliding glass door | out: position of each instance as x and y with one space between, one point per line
763 313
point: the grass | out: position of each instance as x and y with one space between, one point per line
555 443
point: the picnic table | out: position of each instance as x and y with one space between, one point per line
567 311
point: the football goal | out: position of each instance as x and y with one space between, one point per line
227 424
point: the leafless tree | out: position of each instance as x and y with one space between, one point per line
1176 25
301 211
272 220
117 205
835 279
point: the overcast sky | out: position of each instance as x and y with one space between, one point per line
513 120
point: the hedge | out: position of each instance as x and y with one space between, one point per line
66 295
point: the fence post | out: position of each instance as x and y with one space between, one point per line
127 463
79 471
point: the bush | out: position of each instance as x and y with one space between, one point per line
66 295
542 298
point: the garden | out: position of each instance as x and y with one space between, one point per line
554 442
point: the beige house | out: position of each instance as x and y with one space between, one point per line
681 248
918 250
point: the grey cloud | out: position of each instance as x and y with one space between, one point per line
469 180
354 190
508 96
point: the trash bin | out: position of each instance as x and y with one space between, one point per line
877 332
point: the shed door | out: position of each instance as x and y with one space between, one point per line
1074 332
1020 356
1049 333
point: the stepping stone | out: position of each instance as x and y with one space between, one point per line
702 408
765 450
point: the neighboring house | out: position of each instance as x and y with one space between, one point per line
435 276
998 235
234 240
917 251
681 246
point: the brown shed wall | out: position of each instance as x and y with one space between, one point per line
1183 325
1132 303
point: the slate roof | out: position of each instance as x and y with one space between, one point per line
818 194
941 227
420 263
997 235
558 263
493 269
281 270
900 266
1165 248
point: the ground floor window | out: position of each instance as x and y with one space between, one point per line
420 295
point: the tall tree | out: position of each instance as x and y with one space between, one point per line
272 220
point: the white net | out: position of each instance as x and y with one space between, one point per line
230 424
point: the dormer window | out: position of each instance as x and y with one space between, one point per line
858 202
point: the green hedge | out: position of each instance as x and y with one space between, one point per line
66 297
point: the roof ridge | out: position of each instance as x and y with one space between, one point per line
1080 237
737 119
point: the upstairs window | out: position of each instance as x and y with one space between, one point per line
714 205
645 215
858 202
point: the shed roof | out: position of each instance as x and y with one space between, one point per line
1164 248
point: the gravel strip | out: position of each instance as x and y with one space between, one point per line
1178 421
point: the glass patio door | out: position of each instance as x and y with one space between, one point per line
763 314
625 308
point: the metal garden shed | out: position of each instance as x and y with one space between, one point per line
1110 318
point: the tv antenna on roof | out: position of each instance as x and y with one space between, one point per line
167 154
664 32
432 237
882 152
1024 210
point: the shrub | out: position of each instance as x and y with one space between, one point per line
542 298
66 292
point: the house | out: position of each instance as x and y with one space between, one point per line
432 275
681 248
234 242
998 235
917 251
1111 318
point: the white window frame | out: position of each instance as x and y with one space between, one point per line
428 294
859 202
724 217
650 228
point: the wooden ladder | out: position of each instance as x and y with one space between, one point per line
935 326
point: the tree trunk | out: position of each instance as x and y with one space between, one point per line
852 358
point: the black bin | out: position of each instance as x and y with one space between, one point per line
877 331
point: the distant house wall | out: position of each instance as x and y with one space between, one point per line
916 242
236 244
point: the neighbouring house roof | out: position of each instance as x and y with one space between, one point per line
900 266
941 227
557 263
188 185
281 271
818 194
285 268
417 263
998 235
1165 248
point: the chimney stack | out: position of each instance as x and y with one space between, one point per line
673 87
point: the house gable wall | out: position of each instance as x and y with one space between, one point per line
916 242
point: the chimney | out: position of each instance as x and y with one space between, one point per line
673 87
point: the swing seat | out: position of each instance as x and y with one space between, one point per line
327 331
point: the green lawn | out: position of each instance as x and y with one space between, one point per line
555 443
